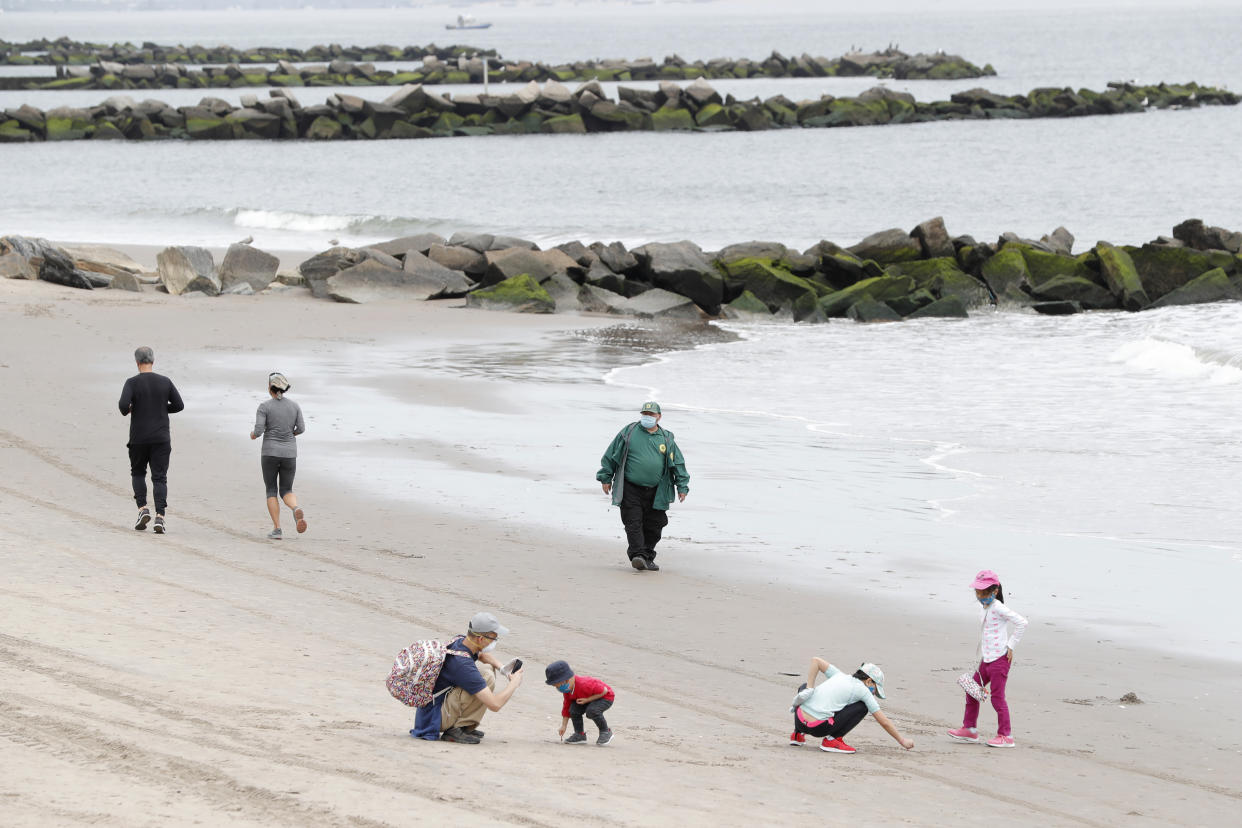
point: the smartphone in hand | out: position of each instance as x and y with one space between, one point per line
512 667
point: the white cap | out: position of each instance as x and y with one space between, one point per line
874 673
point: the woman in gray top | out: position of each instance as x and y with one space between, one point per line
279 421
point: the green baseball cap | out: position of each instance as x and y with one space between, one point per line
650 408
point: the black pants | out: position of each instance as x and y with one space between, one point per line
156 455
593 711
845 720
643 524
278 474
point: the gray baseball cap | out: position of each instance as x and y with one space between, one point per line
485 622
874 673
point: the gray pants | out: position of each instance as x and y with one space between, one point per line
593 711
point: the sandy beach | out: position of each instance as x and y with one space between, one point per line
212 677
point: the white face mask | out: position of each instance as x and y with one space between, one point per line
488 648
647 421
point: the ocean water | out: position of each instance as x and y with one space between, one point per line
1092 460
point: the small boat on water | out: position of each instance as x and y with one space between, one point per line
464 22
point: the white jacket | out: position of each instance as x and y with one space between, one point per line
1002 630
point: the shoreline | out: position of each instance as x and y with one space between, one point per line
286 646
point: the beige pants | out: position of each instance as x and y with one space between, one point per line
463 710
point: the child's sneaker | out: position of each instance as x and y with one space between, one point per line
797 739
605 736
576 739
1001 741
965 734
836 746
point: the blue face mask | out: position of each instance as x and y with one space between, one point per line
647 421
564 688
988 600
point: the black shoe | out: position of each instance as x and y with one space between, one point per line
159 525
652 566
474 731
144 517
576 739
638 562
456 734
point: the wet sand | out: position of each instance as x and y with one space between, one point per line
210 675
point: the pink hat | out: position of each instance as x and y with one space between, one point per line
986 578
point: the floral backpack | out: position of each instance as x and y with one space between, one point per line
415 671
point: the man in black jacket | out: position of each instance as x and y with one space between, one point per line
147 399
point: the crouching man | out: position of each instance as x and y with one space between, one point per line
469 677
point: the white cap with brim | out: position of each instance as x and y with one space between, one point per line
874 673
485 622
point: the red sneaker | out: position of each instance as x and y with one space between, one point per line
797 739
836 746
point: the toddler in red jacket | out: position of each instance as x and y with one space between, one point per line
584 697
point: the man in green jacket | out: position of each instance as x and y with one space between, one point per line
641 469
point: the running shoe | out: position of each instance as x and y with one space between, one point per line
275 534
576 739
300 517
836 746
605 736
965 734
159 525
1001 741
144 517
797 739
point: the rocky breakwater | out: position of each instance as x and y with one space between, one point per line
183 270
66 52
415 111
461 68
888 276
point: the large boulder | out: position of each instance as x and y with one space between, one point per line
1122 278
15 266
746 306
682 268
1060 241
1007 276
776 287
58 268
1066 288
243 263
422 242
372 281
564 292
615 257
661 303
752 250
541 264
520 293
867 309
1164 269
888 247
943 278
1195 234
949 307
881 288
595 299
316 270
1213 286
438 281
31 258
600 276
455 257
186 268
840 267
934 238
96 259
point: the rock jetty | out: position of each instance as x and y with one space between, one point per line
415 111
156 67
65 52
888 276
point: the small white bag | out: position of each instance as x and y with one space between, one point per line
968 681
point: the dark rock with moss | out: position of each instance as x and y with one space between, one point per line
1121 277
867 309
682 268
520 293
1213 286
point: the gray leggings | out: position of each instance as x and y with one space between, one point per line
278 474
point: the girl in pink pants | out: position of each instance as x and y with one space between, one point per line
1001 630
